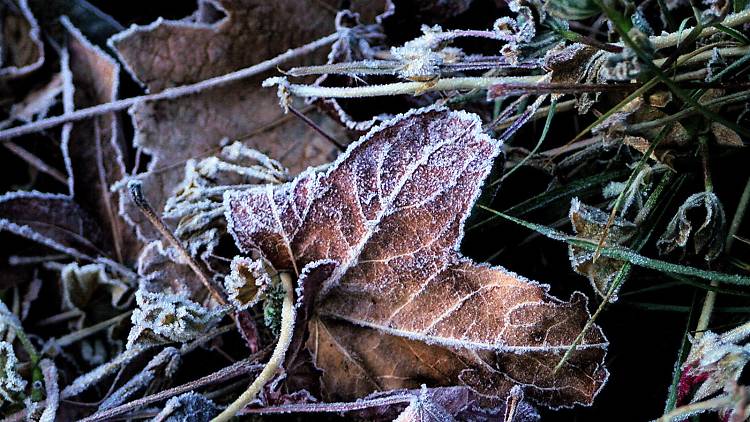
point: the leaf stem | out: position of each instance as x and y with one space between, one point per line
277 358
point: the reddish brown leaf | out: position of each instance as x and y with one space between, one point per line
403 307
171 53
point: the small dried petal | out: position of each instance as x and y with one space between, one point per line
708 238
248 282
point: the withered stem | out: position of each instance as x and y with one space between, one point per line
277 358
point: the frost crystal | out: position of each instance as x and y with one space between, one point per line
188 407
248 281
10 382
163 318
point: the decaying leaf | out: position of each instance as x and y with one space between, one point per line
93 149
162 318
402 306
171 53
708 238
247 282
589 223
21 49
81 285
55 221
10 382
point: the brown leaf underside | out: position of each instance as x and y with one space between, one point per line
404 307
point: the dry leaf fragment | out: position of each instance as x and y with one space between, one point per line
403 307
708 238
171 53
187 407
93 149
80 284
589 223
247 282
55 221
21 48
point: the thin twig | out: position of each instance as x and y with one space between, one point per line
277 358
36 162
317 128
136 193
167 94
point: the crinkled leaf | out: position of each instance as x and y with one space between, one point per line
82 288
20 41
170 53
403 306
247 282
708 238
589 223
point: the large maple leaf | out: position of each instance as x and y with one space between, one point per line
403 307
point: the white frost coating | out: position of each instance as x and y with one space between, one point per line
159 366
68 92
188 407
10 382
49 370
87 380
162 318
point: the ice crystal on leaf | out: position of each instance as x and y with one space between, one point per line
162 318
389 214
10 382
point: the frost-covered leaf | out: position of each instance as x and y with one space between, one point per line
403 307
714 367
10 382
708 238
161 271
197 202
37 103
163 318
188 407
55 221
171 53
589 223
93 148
52 391
21 48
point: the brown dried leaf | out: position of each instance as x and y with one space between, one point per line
403 307
55 221
93 149
590 223
171 53
21 49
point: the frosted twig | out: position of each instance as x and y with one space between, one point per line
136 193
673 39
277 358
398 88
169 93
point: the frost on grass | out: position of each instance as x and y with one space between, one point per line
52 391
11 383
188 407
589 223
248 282
707 239
390 213
163 318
